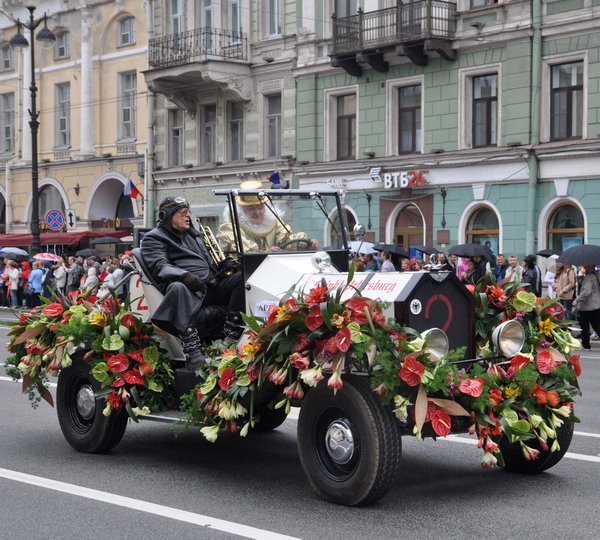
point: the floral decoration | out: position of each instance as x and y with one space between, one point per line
122 351
314 335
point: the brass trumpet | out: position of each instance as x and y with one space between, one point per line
226 265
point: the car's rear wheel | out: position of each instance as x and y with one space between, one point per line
349 444
515 461
80 412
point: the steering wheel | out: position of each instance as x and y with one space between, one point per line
300 241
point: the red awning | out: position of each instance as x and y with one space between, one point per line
57 238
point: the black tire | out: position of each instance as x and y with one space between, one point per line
269 419
85 427
367 468
514 460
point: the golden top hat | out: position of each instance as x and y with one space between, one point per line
249 200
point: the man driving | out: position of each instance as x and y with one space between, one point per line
261 229
196 297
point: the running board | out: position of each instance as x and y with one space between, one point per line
165 417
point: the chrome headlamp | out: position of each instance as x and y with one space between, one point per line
437 343
321 260
508 338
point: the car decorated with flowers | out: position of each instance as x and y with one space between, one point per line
368 358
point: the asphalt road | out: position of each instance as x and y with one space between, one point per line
156 485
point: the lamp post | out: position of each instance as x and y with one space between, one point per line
19 41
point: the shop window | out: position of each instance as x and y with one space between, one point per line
565 227
483 228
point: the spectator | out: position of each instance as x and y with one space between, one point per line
501 266
514 271
566 282
532 275
413 265
14 275
588 305
404 264
370 263
47 279
463 269
386 263
469 274
91 279
60 276
25 270
4 295
74 271
35 284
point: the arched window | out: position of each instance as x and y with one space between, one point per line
408 229
565 227
335 236
482 228
50 199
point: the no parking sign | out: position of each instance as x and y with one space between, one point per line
55 220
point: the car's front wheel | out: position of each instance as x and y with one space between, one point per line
80 412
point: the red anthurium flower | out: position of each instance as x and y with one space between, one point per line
574 361
471 387
133 376
128 320
227 378
302 342
114 400
314 319
291 306
253 371
199 394
411 371
518 362
316 295
145 368
118 363
357 305
118 382
52 310
343 339
379 318
137 355
545 363
441 423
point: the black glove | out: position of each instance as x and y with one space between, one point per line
193 282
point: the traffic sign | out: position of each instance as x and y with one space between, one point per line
71 219
55 220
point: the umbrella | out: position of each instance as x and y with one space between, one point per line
469 250
106 240
548 252
357 246
583 255
391 248
13 252
425 249
46 257
88 252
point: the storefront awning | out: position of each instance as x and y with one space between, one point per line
57 238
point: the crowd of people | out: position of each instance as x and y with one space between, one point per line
23 283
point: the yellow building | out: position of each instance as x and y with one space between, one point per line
93 127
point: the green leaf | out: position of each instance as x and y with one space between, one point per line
130 412
155 386
520 426
208 386
244 380
150 355
100 371
112 343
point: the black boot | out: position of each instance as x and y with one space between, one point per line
234 326
192 347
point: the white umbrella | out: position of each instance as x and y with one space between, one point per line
14 251
356 246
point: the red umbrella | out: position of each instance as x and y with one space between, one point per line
46 257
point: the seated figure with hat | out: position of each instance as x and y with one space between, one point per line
199 303
261 229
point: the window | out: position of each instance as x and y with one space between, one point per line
565 227
176 139
273 106
126 32
176 16
209 133
7 123
345 8
566 117
63 41
6 58
273 17
482 3
207 24
409 119
127 105
63 115
234 19
346 126
50 199
482 228
480 106
485 110
236 130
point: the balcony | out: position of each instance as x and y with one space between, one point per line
183 63
411 30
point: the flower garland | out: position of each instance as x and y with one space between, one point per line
310 336
122 351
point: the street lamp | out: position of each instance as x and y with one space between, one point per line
19 41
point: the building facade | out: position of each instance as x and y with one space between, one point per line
452 122
92 104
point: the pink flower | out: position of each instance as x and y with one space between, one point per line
312 376
294 391
302 342
488 460
529 453
471 387
278 377
497 371
335 382
299 361
545 363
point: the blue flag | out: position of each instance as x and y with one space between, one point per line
274 178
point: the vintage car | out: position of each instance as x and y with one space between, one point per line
349 430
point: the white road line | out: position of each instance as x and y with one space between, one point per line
586 434
144 506
51 385
571 455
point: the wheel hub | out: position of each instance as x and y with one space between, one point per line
339 441
86 402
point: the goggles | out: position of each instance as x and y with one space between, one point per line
174 202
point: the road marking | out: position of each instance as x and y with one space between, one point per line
571 455
144 506
50 384
586 434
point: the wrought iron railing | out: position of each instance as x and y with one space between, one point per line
425 19
194 45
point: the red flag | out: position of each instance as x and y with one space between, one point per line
131 190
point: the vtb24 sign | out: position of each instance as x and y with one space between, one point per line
399 179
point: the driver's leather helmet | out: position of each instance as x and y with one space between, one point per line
168 206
